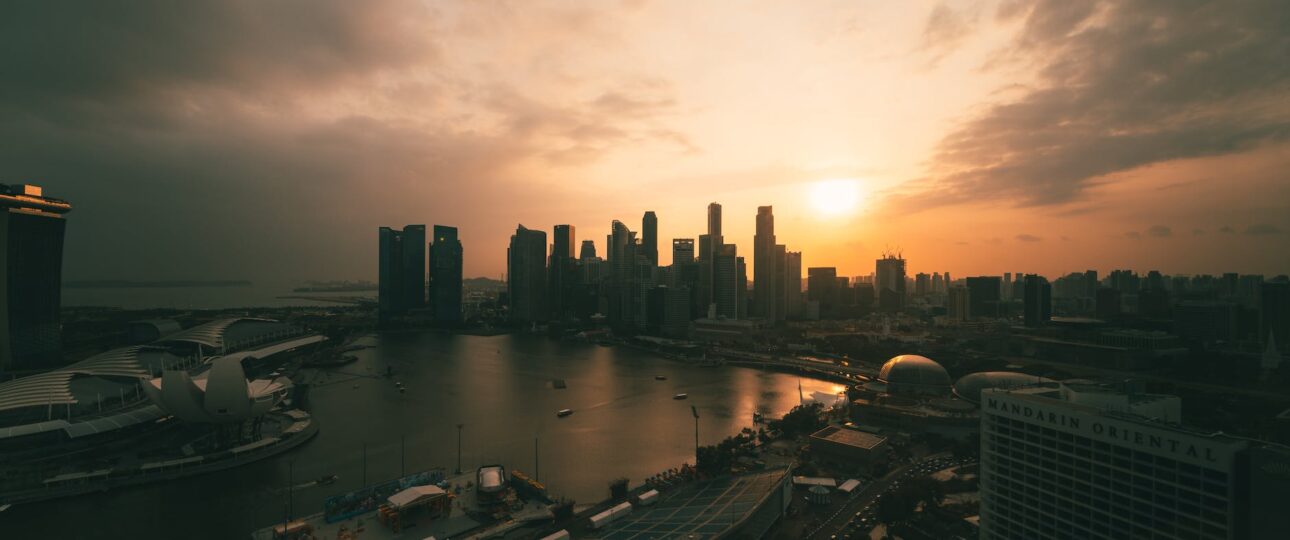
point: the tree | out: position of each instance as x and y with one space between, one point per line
801 420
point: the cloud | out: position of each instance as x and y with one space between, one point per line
1119 85
1028 238
1262 229
1226 229
1160 231
200 127
1198 232
1133 234
945 30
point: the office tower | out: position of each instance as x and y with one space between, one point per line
765 292
682 250
526 281
741 287
709 246
1007 285
922 284
714 219
938 283
793 284
1107 304
562 271
649 237
983 296
446 256
726 294
1274 313
1228 284
622 283
959 304
822 290
414 266
588 250
1038 300
31 240
889 281
780 256
676 312
1090 461
401 270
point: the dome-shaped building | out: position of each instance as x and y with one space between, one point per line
911 374
969 387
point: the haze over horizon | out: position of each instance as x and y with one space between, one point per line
268 142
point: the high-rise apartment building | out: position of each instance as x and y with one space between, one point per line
822 291
446 257
526 280
958 303
1089 461
922 284
31 242
1274 313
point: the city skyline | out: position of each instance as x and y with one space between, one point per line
549 124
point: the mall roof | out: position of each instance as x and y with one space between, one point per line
54 387
210 334
698 509
849 437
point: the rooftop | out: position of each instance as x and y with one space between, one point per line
849 437
702 509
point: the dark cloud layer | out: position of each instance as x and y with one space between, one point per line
1120 85
222 139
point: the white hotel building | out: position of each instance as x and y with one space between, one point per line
1087 461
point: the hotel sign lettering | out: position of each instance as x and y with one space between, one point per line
1184 447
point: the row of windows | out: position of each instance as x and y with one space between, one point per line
1143 475
1051 437
1009 519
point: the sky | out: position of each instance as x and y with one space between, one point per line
268 140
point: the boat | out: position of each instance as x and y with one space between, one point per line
564 412
681 396
660 377
329 479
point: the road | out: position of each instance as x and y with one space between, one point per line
837 523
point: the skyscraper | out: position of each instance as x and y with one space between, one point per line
780 256
526 281
958 304
414 266
562 271
649 237
714 219
401 270
446 256
725 288
682 250
31 240
922 284
1038 300
622 283
793 284
889 281
709 246
588 250
765 291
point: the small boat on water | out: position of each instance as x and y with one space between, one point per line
681 396
329 479
564 412
660 377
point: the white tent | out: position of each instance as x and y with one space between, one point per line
414 495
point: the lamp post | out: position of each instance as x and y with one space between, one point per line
696 434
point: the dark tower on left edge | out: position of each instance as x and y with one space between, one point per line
446 257
31 278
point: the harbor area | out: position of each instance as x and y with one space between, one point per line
432 504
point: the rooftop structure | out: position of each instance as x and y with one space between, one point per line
746 505
914 374
969 387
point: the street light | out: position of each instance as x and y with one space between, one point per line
696 434
459 426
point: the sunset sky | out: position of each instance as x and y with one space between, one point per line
269 140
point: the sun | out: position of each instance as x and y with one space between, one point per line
835 197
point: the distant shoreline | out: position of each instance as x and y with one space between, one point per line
128 284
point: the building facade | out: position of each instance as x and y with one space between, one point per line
526 276
446 256
31 274
1086 463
